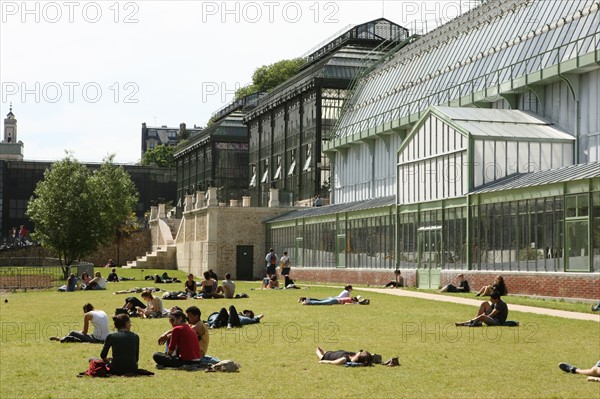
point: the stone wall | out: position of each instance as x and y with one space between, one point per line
136 245
209 236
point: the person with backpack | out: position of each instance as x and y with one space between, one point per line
285 263
271 260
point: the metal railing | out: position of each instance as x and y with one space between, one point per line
34 272
31 277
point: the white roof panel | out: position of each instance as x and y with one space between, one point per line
503 123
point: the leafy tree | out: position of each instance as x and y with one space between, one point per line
75 210
161 155
268 77
119 196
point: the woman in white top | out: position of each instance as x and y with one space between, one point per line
154 306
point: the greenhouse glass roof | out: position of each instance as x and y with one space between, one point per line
481 51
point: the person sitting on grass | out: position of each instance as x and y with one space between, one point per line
97 283
463 285
593 373
112 276
154 306
265 281
71 283
184 347
207 286
596 308
85 280
190 285
399 280
125 347
232 318
273 282
194 320
498 285
344 358
493 314
99 321
227 287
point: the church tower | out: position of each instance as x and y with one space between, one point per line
10 127
10 148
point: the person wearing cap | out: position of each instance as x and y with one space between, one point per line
493 313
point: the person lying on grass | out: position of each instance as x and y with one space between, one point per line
335 301
344 358
593 373
342 298
233 318
492 314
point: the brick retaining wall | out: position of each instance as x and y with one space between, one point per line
547 284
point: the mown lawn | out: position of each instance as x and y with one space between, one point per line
277 356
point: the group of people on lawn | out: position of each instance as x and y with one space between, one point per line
187 341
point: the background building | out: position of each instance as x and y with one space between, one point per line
218 156
10 147
18 179
155 136
288 126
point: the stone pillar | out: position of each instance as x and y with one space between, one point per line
153 212
162 213
273 198
188 206
233 203
212 197
246 201
200 199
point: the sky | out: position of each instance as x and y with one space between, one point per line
82 76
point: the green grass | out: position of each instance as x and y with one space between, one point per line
548 303
277 356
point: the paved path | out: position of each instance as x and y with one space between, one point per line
477 302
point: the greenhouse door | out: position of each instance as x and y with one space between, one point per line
429 245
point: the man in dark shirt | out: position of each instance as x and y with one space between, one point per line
125 347
112 276
493 314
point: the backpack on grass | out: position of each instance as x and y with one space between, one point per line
97 368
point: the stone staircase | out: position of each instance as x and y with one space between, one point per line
161 258
164 252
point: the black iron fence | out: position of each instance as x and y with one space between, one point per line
23 273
